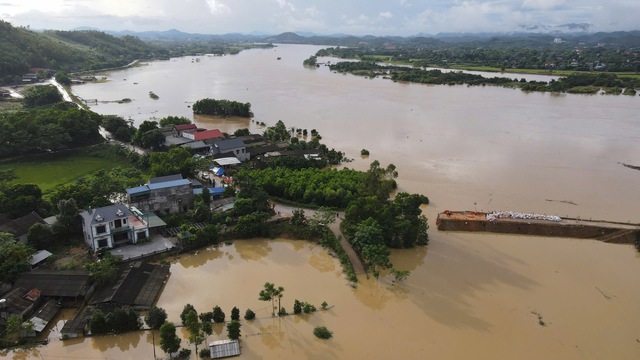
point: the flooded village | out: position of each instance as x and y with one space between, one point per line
470 293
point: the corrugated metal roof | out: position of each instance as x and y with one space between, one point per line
168 184
55 283
229 144
138 190
165 178
227 161
39 256
212 191
224 348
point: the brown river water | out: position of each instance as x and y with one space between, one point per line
475 296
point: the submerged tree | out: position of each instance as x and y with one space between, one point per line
169 341
271 293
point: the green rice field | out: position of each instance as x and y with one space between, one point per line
50 172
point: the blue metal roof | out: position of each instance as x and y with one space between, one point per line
212 191
138 190
168 184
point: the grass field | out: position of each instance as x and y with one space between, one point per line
47 172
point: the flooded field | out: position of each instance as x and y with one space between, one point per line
478 296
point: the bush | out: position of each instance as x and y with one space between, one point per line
184 353
364 152
322 332
249 315
205 353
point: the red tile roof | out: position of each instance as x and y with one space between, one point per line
183 127
209 134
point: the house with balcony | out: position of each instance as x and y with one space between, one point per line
110 226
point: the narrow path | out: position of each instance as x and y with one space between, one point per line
358 267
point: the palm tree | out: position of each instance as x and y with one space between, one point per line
270 293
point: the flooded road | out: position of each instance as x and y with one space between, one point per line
479 296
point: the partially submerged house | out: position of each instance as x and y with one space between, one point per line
18 301
110 226
42 317
224 348
62 285
139 286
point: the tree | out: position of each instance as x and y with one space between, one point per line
192 323
98 323
14 258
67 219
249 315
40 235
175 161
186 310
153 139
322 332
233 330
400 275
297 307
241 132
218 315
104 271
206 196
270 293
41 95
169 341
376 256
277 133
21 199
155 317
235 313
298 218
173 121
63 78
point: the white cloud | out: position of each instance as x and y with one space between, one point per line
216 7
542 4
396 17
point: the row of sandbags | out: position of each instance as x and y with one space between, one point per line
492 216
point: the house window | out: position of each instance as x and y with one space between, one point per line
101 229
102 243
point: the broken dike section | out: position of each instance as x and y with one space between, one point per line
531 224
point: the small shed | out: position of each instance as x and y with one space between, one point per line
37 258
224 348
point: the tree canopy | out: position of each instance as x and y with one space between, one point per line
222 108
14 258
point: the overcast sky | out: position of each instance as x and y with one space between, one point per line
358 17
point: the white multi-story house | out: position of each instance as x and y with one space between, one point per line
110 226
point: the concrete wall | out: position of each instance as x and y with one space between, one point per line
539 228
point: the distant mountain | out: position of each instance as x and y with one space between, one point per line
22 49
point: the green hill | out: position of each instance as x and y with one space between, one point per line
22 49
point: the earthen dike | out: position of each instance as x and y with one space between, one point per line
473 221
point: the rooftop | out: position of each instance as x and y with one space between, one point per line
209 134
56 283
106 214
21 225
224 348
228 144
161 179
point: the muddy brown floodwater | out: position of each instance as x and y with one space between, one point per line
477 296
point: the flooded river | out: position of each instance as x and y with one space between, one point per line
479 296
